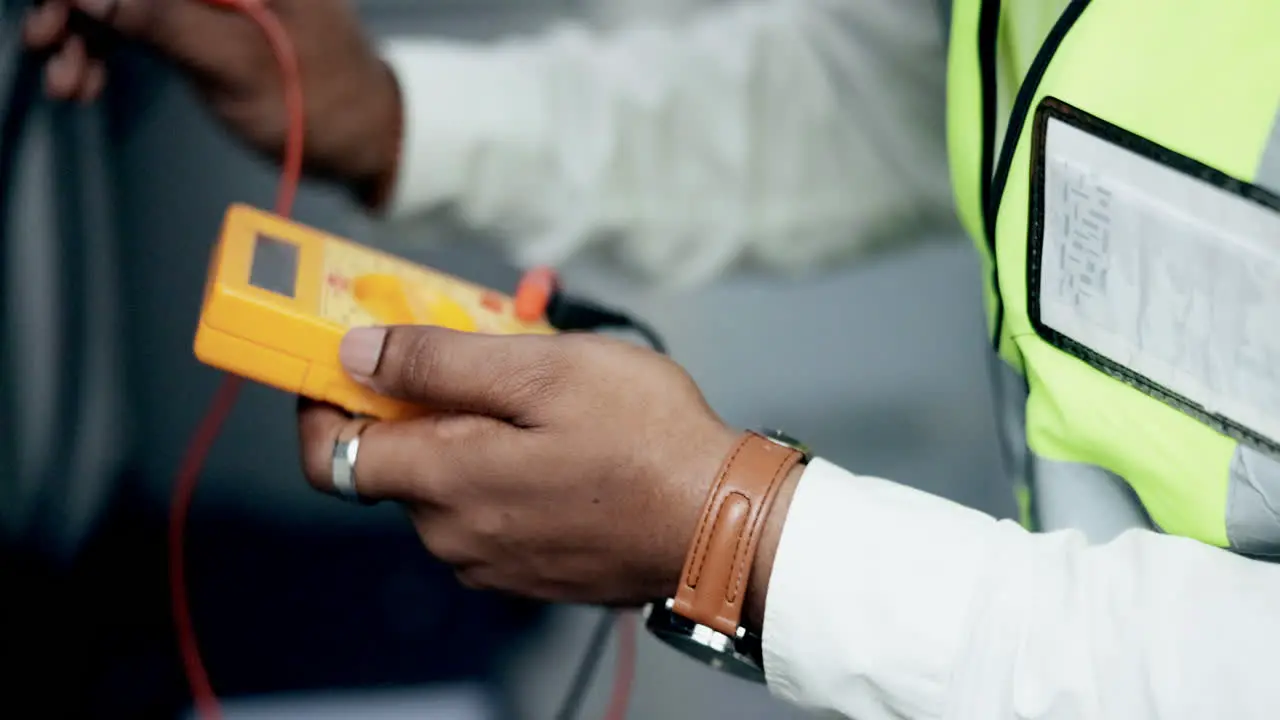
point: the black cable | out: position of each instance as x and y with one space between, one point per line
24 97
23 84
587 666
22 92
568 313
650 335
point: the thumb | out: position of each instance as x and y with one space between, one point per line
510 377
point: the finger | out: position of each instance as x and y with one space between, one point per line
66 70
99 38
173 25
124 15
441 536
416 461
95 79
431 460
45 26
502 376
150 20
318 427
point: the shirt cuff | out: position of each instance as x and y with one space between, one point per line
469 112
869 598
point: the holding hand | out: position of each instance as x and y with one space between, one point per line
569 468
353 106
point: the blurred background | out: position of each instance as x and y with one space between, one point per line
306 606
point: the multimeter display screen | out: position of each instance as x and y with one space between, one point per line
275 265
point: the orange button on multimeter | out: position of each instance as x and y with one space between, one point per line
281 295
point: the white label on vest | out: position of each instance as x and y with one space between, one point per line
1164 274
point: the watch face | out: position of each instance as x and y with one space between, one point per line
703 644
784 439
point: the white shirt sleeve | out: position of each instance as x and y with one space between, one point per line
921 608
786 131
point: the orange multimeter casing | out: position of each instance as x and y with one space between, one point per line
280 296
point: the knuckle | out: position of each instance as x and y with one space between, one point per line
538 376
442 541
488 524
463 432
420 357
527 385
451 548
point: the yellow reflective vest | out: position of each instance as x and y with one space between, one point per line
1117 163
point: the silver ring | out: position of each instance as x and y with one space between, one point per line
345 451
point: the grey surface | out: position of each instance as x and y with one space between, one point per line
462 702
879 367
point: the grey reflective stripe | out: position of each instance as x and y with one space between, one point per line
1253 503
1268 174
1009 390
1064 494
1084 497
1253 490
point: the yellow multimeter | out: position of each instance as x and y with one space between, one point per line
281 295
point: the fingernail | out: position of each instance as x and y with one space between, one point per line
96 8
360 351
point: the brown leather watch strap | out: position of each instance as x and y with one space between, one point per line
717 569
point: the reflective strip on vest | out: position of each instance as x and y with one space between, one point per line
1268 175
1098 503
1253 494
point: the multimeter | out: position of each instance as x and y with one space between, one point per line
280 296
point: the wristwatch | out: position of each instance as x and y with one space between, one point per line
704 617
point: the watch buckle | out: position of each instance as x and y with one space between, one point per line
720 651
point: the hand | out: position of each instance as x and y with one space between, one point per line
570 468
353 105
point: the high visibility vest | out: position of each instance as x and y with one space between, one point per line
1117 163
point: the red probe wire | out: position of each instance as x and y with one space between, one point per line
224 399
624 672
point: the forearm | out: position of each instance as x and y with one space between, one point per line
785 131
887 602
